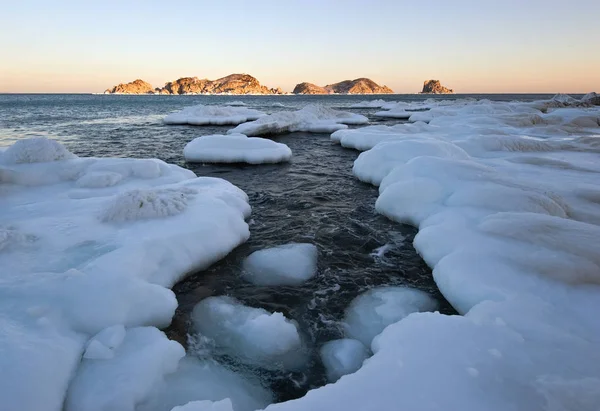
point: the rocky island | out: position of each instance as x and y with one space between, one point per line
435 87
232 84
357 86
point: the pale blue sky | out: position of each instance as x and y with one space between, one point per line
471 46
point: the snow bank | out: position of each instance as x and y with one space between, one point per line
313 118
342 357
235 148
509 232
369 313
251 335
201 115
205 381
289 264
78 258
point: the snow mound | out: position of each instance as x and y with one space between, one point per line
313 118
289 264
370 104
251 335
342 357
371 312
235 148
143 204
373 165
206 405
125 380
206 381
35 150
201 115
69 282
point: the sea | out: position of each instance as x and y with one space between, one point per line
312 199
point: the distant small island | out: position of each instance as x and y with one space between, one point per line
435 87
358 86
232 84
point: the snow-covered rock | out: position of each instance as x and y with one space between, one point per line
289 264
80 260
251 335
342 357
369 313
235 148
313 118
201 115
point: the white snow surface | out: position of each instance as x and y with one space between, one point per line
200 115
313 118
251 335
369 313
342 357
79 260
289 264
511 234
235 148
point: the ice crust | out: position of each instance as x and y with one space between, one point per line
289 264
253 336
88 250
235 148
312 118
509 233
200 115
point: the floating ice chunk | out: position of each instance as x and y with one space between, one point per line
252 335
236 103
289 264
203 381
313 118
370 104
35 150
104 344
235 148
373 165
143 204
342 357
369 313
397 113
206 405
218 115
365 138
124 381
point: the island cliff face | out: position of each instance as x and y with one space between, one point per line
232 84
135 87
357 86
435 87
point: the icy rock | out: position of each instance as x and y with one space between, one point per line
235 148
591 98
252 335
125 380
206 381
313 118
342 357
289 264
369 313
201 115
35 150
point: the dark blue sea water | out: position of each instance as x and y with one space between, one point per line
314 198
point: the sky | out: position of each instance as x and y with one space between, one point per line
482 46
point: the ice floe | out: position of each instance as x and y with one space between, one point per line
201 115
253 336
289 264
313 118
342 357
370 104
90 246
235 148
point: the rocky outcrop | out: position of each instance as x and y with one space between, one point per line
435 87
309 88
135 87
232 84
357 86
